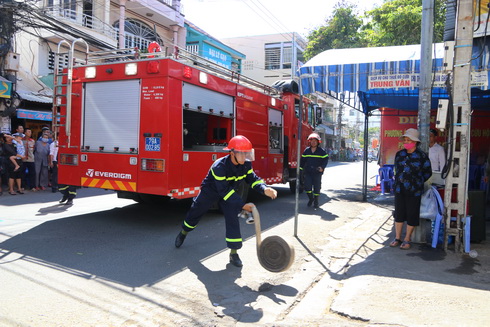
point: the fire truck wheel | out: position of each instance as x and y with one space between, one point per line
153 199
285 175
292 187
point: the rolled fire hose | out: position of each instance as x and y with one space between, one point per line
274 253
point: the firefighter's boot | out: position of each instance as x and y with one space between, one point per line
315 204
64 198
179 240
235 260
310 201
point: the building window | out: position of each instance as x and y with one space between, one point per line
248 65
193 48
287 57
280 55
272 56
137 34
63 61
88 14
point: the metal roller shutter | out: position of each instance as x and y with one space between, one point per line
111 115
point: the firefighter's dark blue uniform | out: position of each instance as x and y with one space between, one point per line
309 164
221 185
69 191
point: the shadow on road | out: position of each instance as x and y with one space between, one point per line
233 300
132 245
420 263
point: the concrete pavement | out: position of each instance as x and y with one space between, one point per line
345 274
365 282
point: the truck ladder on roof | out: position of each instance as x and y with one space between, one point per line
182 55
59 86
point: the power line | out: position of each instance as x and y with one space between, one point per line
260 13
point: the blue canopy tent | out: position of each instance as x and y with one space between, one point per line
385 77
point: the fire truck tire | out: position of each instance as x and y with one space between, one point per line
292 187
153 199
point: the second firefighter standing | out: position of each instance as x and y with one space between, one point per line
312 165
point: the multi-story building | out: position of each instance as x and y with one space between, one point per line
269 58
103 24
204 45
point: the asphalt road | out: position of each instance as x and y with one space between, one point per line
111 262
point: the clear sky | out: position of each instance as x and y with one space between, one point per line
233 18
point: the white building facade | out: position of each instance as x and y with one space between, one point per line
269 58
103 24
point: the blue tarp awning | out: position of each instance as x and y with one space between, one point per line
387 76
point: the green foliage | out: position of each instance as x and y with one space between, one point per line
398 22
373 131
340 31
395 22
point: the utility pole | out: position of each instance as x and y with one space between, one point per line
425 86
339 123
460 118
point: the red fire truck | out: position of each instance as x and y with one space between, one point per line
148 125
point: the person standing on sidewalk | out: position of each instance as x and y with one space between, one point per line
220 185
53 164
29 166
41 161
412 170
13 174
436 152
312 165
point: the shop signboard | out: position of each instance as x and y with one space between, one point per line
217 56
34 115
395 122
5 88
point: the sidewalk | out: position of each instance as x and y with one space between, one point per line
376 284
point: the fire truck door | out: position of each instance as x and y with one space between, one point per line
276 145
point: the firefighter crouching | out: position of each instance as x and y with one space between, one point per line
220 185
313 163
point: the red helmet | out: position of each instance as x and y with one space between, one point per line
239 143
315 136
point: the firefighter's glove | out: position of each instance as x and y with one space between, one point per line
270 192
248 207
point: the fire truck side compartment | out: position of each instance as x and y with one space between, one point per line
111 116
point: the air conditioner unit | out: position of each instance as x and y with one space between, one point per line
12 61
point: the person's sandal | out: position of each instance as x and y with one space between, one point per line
405 245
396 242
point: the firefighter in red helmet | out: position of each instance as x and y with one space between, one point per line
312 165
221 185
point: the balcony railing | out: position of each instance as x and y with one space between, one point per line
83 20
